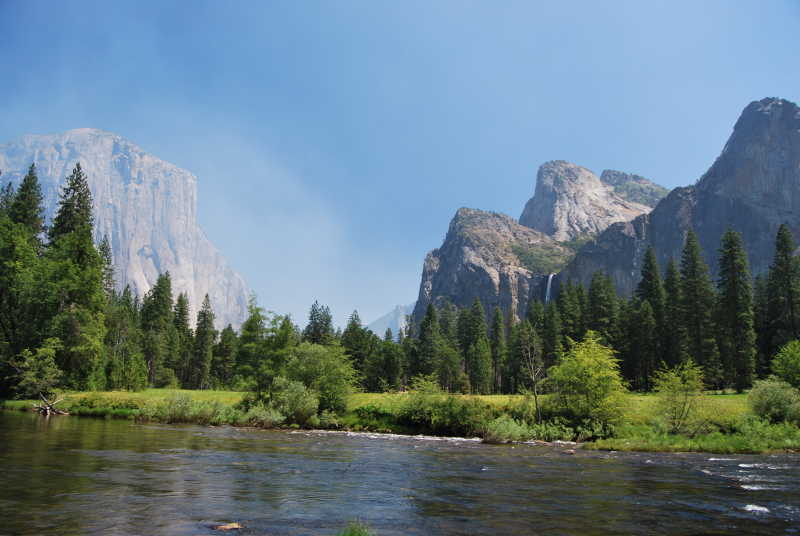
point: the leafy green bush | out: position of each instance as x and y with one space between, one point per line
294 401
445 414
263 417
355 528
587 384
680 392
504 429
325 369
775 400
786 364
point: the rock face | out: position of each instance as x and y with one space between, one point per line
634 188
752 187
572 202
146 206
489 256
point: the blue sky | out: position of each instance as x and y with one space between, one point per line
333 141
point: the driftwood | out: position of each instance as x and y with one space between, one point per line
48 408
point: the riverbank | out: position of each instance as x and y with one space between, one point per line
728 425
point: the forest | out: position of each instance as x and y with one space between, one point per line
65 326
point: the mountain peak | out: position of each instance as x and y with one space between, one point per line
570 202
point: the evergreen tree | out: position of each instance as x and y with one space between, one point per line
736 334
644 345
480 371
252 340
76 275
697 311
783 293
551 336
74 207
156 320
448 323
7 193
320 325
499 349
224 360
673 349
126 364
181 319
109 284
569 309
603 310
356 343
761 325
204 339
535 315
430 344
27 208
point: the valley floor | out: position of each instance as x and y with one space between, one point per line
731 426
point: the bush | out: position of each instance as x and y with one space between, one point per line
505 430
679 392
786 364
325 369
775 400
263 417
587 384
445 414
293 400
355 528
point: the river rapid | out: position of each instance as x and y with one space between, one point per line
70 475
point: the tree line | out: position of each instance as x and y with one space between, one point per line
61 317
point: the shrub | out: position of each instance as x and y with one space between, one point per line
587 384
679 392
325 369
775 400
442 414
505 429
355 528
786 364
263 417
293 400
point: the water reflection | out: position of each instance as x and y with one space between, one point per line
86 476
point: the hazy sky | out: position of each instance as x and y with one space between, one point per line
333 141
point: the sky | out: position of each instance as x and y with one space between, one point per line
334 140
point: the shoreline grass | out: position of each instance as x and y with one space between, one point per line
732 427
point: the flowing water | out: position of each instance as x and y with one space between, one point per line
70 475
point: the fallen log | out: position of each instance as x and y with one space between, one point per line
47 408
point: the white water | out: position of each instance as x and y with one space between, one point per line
547 292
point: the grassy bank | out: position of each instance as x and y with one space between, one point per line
727 425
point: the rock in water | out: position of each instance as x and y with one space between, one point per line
572 202
146 206
752 187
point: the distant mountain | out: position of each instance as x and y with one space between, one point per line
394 320
752 187
146 206
571 202
489 256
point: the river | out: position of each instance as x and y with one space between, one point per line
70 475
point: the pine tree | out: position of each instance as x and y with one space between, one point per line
569 308
204 339
783 293
109 284
76 275
499 349
355 341
27 208
535 315
320 325
126 365
761 325
475 332
156 319
603 308
551 336
697 311
736 334
644 345
7 194
181 319
480 371
252 340
224 361
75 207
448 323
430 344
673 350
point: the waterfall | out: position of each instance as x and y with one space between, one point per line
547 292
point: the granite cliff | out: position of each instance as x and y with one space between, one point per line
146 206
752 187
